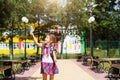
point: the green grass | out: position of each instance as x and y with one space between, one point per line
16 56
113 53
101 53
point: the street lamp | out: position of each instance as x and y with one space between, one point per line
38 32
90 20
25 20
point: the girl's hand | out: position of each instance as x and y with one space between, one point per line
55 60
54 56
31 33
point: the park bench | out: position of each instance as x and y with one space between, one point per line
6 72
20 65
97 64
24 65
87 60
25 62
33 60
114 72
79 57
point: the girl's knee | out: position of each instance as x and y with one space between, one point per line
52 77
44 76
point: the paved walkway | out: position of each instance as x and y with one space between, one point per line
69 70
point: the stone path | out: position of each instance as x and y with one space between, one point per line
68 70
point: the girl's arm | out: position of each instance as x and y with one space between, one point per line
54 56
35 41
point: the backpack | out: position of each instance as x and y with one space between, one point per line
52 48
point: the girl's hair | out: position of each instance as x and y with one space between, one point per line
52 37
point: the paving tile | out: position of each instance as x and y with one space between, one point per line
68 70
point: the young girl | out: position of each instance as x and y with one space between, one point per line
48 59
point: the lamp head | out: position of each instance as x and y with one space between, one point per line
25 20
91 19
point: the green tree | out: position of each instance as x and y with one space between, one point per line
11 13
107 20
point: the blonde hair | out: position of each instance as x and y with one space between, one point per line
52 37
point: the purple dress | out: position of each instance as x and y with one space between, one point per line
48 66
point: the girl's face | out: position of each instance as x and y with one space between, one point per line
47 39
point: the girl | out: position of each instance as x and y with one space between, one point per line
48 59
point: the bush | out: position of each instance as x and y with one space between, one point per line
112 53
100 46
6 57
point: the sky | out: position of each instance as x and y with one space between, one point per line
61 3
117 7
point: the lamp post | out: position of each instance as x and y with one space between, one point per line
38 33
25 20
90 20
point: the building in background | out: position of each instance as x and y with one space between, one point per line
72 45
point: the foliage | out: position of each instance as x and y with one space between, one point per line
45 14
13 10
106 25
100 46
113 53
107 20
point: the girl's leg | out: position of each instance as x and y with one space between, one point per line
44 76
52 77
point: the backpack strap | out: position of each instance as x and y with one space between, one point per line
52 48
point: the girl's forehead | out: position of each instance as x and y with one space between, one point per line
47 35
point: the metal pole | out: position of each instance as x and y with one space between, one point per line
119 48
25 43
85 46
38 37
61 54
25 20
91 41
